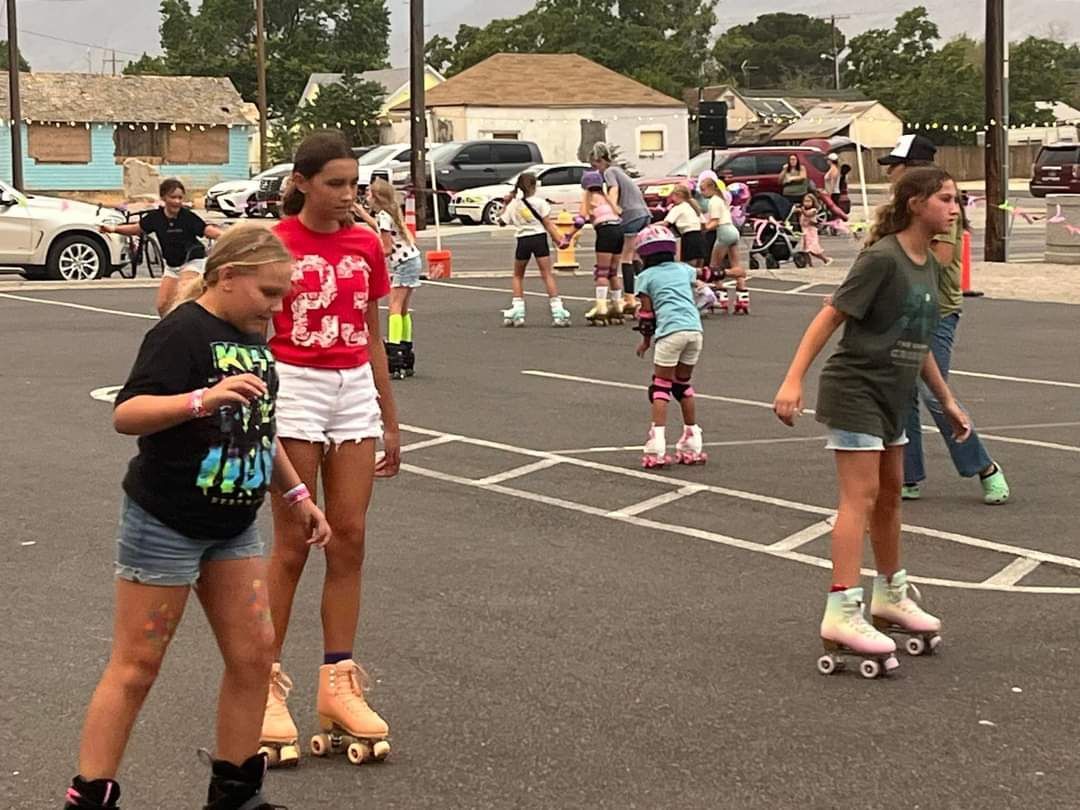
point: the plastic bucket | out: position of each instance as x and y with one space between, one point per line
439 264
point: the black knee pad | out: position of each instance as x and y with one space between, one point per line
660 389
682 390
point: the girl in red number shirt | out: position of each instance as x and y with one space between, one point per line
334 403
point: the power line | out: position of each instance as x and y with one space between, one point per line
24 32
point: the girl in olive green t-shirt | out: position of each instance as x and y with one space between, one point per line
888 306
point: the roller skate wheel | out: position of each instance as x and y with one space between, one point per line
289 756
915 645
869 668
272 758
934 642
320 745
826 665
380 750
357 752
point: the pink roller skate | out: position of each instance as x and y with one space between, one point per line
688 450
846 633
655 453
894 612
742 302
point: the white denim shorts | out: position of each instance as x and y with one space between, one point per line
327 405
678 347
851 440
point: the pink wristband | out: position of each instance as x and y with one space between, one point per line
195 403
298 493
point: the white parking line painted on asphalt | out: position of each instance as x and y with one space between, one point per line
656 502
1013 572
68 304
804 536
517 472
735 443
502 291
734 542
1007 378
427 443
746 545
551 375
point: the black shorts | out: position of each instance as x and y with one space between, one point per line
693 246
528 246
609 238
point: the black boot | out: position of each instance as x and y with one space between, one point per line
238 788
99 794
408 359
394 360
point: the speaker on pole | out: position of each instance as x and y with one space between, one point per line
712 124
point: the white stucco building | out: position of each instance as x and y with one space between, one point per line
564 103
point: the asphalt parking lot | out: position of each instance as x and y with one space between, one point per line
548 625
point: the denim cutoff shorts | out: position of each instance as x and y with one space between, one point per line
851 440
151 553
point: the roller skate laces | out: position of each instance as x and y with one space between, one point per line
348 723
279 735
846 633
688 450
97 794
894 611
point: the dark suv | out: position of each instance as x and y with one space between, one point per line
757 166
1056 170
460 165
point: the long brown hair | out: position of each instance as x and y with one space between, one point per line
918 183
684 195
244 247
385 199
314 152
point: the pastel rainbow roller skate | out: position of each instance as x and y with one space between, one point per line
655 452
893 611
348 723
846 633
742 302
560 317
689 447
599 314
279 738
515 316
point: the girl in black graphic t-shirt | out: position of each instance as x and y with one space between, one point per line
178 230
201 399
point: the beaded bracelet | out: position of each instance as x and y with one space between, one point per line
298 493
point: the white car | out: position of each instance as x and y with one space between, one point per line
559 184
377 162
236 198
50 236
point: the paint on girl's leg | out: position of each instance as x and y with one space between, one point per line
259 602
160 626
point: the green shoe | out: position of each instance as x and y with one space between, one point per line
995 487
911 492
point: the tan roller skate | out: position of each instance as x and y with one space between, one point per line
279 736
348 723
598 315
631 305
615 310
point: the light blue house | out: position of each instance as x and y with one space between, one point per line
78 129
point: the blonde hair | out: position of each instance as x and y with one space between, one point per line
684 194
895 216
385 199
244 247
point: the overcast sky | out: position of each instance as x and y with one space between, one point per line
93 28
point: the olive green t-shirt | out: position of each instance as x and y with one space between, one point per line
950 295
891 305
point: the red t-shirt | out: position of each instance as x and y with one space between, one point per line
335 278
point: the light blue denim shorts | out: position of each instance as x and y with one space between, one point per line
407 273
850 440
151 553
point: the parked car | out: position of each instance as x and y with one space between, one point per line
49 236
757 166
1056 170
461 165
268 197
235 198
378 161
559 184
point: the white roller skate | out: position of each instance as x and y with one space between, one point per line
515 316
894 612
742 302
615 309
655 452
846 633
559 315
723 300
689 447
598 315
279 736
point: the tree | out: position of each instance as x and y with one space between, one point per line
658 42
24 66
352 106
302 37
783 48
880 58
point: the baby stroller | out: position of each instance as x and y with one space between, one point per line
775 239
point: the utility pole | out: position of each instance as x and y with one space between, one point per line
260 58
996 133
112 61
417 113
835 49
13 96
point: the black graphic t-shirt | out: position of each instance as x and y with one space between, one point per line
892 308
177 237
205 478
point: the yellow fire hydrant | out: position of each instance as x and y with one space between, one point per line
565 258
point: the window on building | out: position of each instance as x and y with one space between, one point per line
165 145
148 145
650 140
48 143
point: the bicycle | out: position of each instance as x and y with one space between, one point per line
142 249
